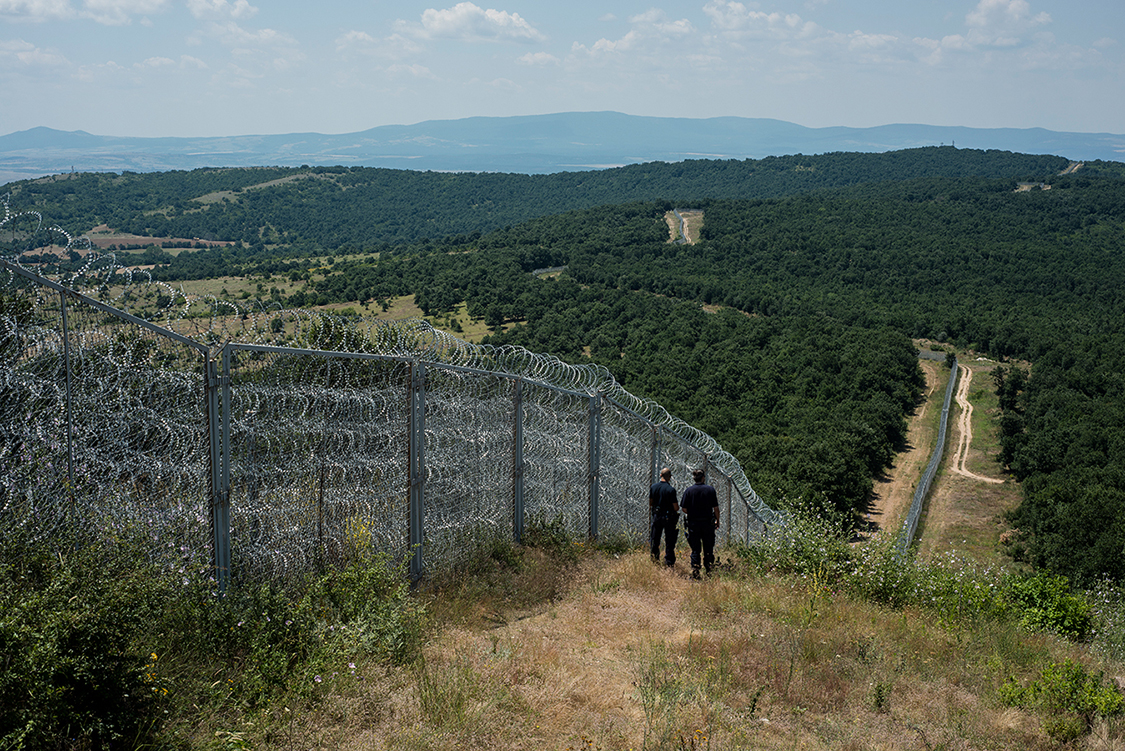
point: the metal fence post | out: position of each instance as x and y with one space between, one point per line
517 463
219 453
417 449
69 414
594 461
654 459
730 504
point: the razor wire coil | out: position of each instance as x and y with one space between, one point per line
105 425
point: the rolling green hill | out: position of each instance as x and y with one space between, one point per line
358 208
821 269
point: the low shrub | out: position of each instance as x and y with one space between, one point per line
1046 602
804 544
75 670
1069 697
552 536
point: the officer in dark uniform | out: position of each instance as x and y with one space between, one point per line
701 505
665 512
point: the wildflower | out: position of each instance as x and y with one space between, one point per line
317 678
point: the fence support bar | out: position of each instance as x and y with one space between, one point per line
417 441
220 500
517 463
594 445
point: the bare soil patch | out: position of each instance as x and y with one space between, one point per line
103 236
894 491
693 223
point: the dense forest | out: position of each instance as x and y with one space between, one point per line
785 332
361 209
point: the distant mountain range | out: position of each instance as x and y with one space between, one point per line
528 144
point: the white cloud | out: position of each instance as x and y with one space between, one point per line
609 46
119 12
355 39
651 31
470 22
157 62
36 10
735 19
538 58
656 22
233 35
1002 23
394 47
414 71
107 12
18 53
997 25
220 9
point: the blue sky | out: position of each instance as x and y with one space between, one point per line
238 67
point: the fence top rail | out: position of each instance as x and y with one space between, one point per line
12 268
232 327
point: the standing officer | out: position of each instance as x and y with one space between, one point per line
665 512
701 504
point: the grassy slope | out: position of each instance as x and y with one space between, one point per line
633 656
614 653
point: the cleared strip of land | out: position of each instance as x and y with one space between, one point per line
965 428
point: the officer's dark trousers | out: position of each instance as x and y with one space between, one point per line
701 540
664 525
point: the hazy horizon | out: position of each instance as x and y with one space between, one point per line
223 68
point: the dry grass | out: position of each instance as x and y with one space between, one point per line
635 656
964 514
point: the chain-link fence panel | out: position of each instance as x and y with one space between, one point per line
625 474
103 426
318 460
556 454
469 496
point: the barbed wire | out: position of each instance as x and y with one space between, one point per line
304 425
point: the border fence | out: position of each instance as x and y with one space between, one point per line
910 525
273 442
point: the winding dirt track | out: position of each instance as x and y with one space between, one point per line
965 428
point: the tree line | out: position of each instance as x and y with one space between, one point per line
785 332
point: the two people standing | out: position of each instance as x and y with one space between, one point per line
700 505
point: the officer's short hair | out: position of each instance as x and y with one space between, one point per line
698 475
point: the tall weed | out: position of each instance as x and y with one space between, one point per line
1107 609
